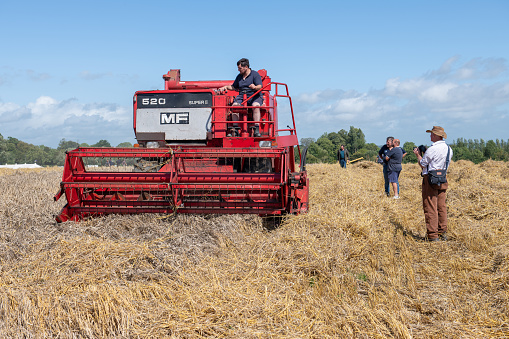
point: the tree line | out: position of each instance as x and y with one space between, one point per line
321 150
14 151
324 149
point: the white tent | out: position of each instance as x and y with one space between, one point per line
17 166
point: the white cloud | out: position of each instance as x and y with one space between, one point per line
319 96
475 69
48 120
310 98
439 93
396 87
482 69
7 107
456 94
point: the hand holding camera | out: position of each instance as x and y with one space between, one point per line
420 150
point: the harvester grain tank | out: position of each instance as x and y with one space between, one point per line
192 158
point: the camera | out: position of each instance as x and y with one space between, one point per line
422 149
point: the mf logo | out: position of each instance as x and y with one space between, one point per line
175 118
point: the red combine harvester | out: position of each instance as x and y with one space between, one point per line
188 161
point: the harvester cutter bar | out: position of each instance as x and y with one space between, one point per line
114 152
189 180
98 178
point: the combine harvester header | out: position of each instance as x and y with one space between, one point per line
192 158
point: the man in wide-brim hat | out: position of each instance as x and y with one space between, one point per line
439 131
434 196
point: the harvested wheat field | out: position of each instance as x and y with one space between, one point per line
355 266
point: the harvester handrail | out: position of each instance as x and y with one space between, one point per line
276 94
291 110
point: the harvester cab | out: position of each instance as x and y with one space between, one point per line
195 112
192 157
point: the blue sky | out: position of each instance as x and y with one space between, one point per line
69 69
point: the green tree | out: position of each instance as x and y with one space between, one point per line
368 152
337 139
492 151
410 157
316 154
364 153
343 137
67 145
461 153
102 143
477 156
355 139
125 145
325 148
461 142
326 144
3 150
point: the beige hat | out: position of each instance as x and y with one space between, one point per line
437 130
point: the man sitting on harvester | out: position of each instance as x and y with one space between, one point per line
247 82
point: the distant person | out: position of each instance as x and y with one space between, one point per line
248 82
381 153
343 156
434 196
394 157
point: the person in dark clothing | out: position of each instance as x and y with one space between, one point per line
247 82
394 157
381 153
343 156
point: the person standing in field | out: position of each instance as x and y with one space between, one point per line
434 196
343 156
394 157
381 153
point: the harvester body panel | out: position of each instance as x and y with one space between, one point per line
177 116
